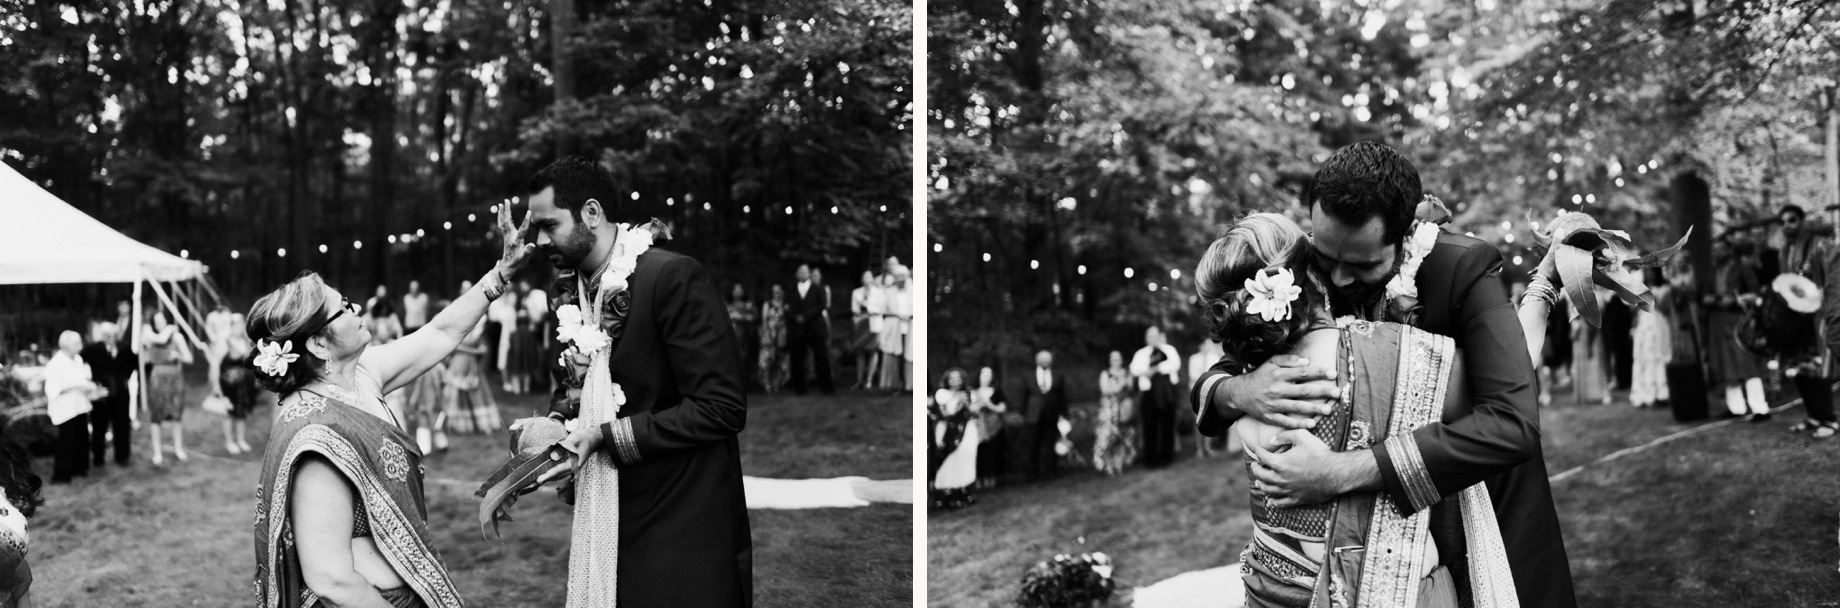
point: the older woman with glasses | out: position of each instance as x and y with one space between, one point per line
340 518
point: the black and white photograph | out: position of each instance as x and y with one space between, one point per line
1382 303
430 303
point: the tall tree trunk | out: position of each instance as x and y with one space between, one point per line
562 29
1831 97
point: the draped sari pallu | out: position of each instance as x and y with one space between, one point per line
382 463
1396 379
1402 379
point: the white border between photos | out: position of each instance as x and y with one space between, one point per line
918 334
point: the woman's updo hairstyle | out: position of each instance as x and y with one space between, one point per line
1252 245
292 313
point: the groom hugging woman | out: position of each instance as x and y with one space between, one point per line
1379 377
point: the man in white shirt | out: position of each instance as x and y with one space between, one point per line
217 332
1157 367
415 308
867 305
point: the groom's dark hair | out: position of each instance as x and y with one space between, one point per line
1367 180
577 179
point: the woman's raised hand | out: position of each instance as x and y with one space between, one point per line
517 248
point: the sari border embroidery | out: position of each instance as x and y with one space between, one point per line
1395 542
397 540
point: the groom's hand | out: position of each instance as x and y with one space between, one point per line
581 443
1309 472
1284 392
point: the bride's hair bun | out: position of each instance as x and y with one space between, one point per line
1251 245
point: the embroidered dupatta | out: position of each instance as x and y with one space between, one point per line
382 463
1400 378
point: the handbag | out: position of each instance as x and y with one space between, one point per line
217 404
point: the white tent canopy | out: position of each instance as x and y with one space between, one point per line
45 240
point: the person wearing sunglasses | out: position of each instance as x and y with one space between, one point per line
341 476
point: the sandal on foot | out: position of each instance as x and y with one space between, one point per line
1826 430
1803 426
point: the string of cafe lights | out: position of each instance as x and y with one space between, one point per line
472 217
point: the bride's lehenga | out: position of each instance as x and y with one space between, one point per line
1394 379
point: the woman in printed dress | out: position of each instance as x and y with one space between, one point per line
166 353
340 517
1115 439
775 368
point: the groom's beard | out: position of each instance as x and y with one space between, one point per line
1353 299
572 250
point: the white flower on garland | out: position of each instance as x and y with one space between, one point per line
1418 245
273 358
573 330
1271 294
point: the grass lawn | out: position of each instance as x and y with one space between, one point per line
1739 515
180 535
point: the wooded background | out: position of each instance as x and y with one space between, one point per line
1082 154
369 139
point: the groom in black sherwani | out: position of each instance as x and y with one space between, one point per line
685 541
1362 202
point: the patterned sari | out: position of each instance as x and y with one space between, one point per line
383 464
1394 379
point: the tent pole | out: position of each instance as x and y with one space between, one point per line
134 345
179 320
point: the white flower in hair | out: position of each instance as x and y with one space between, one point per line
273 357
1271 294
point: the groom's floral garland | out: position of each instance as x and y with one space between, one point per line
585 336
1067 581
1401 301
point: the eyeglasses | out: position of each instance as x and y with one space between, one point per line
347 306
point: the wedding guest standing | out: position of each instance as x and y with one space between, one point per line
807 332
1591 369
166 353
501 322
955 435
466 399
745 321
111 364
992 409
1812 368
1737 370
217 330
542 331
237 383
896 326
1156 366
773 340
1209 353
69 389
1115 437
867 305
524 357
415 307
1653 347
1043 405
